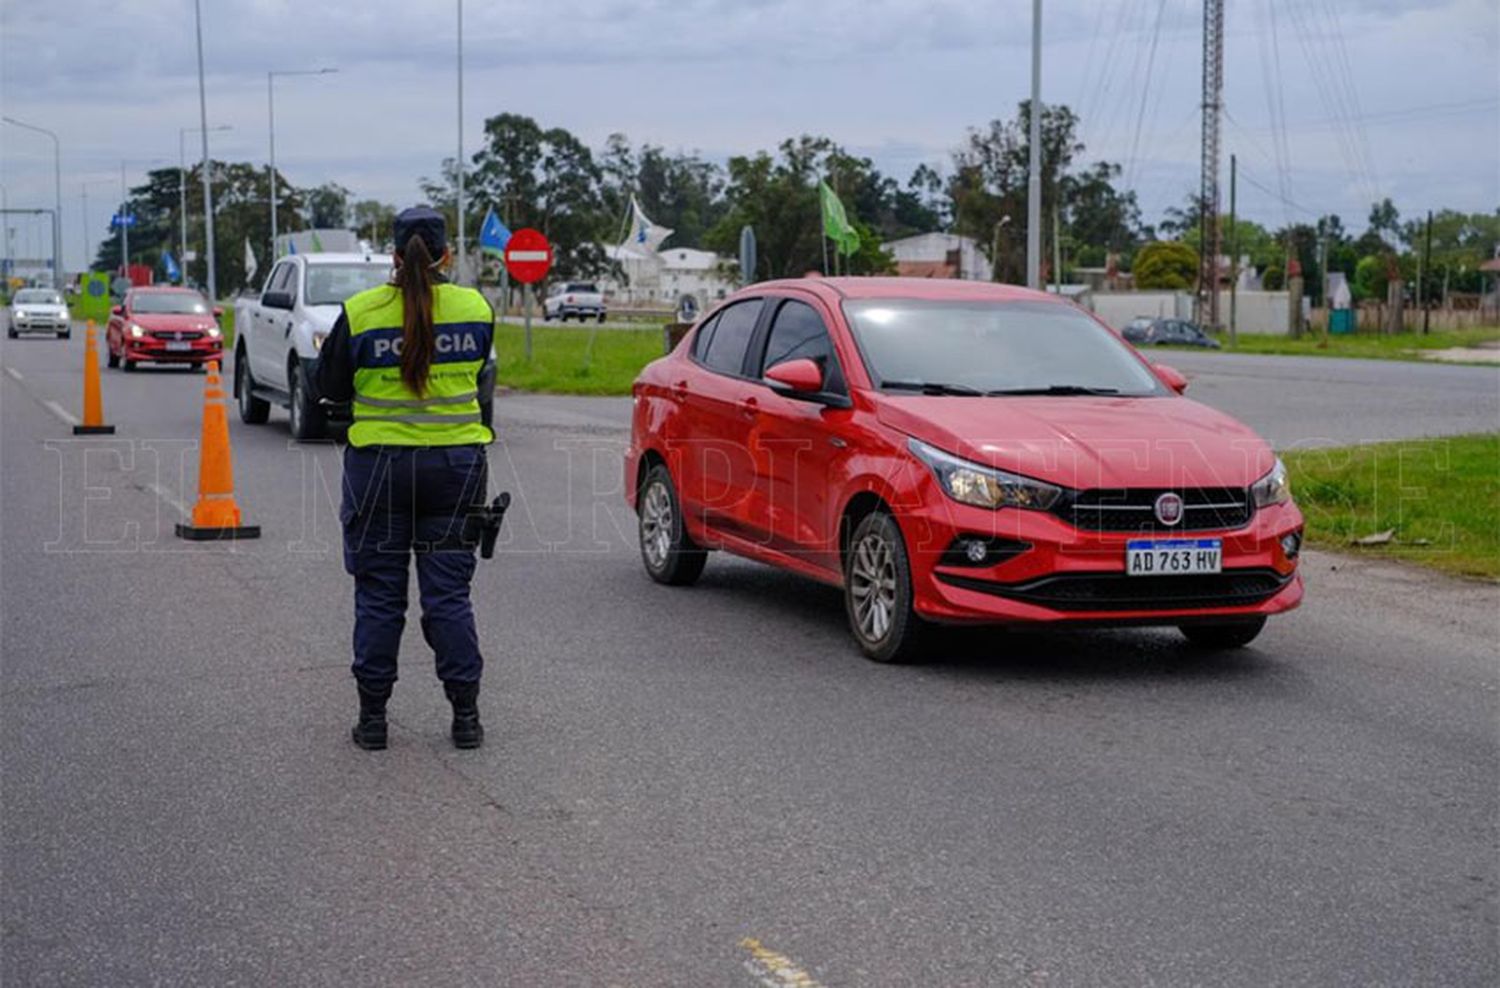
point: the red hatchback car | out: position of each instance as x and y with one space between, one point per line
164 325
957 452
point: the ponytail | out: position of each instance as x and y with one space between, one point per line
414 279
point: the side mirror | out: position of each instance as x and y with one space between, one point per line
1171 377
277 300
800 376
118 310
218 311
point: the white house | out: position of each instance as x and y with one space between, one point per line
666 276
939 255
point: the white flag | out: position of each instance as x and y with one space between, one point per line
644 234
250 266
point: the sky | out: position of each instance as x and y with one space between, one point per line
1329 104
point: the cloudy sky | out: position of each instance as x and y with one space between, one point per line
1330 103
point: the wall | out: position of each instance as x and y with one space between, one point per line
1255 312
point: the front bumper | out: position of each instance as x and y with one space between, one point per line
41 324
152 350
1044 569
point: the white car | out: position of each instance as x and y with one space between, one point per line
38 310
574 298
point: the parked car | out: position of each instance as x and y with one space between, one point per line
954 451
278 334
1167 332
37 310
574 298
163 325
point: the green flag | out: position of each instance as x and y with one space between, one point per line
317 244
836 225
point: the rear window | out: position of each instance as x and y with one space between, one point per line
582 286
730 337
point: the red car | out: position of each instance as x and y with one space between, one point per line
164 325
956 452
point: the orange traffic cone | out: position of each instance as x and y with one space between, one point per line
93 404
215 516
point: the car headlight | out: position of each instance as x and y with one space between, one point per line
318 339
981 486
214 332
136 331
1274 488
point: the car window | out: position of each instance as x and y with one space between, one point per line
279 277
798 332
331 284
731 337
704 334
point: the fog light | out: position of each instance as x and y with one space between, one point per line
975 551
1291 544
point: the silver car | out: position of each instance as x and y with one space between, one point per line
37 310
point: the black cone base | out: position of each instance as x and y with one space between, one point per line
194 533
93 430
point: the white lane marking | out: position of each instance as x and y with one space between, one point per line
169 499
60 412
15 374
775 970
526 255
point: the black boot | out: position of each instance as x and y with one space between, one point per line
467 731
369 733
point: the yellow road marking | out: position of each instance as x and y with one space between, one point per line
775 970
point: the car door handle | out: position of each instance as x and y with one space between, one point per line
286 330
749 407
679 390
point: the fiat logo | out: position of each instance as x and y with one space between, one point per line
1169 509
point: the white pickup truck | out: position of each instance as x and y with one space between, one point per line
279 332
574 298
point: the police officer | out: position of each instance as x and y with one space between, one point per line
408 355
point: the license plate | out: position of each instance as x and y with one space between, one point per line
1173 557
179 345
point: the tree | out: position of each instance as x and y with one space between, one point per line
327 206
1166 264
1098 215
373 220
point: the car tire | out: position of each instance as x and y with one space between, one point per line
111 358
1226 635
669 553
126 364
12 333
878 594
64 334
601 317
308 423
253 410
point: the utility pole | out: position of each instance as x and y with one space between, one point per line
1422 277
1234 253
1056 248
57 272
208 189
1208 195
1034 160
462 253
124 228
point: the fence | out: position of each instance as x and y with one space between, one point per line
1255 312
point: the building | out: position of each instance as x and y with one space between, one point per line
666 276
939 255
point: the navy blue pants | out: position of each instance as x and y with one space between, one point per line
398 502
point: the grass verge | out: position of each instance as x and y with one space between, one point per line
561 361
1441 497
1402 346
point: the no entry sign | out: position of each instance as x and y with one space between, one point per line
528 256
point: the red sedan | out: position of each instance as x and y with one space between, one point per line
164 325
957 452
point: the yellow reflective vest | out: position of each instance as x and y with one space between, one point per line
388 413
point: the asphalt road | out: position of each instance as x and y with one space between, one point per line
704 786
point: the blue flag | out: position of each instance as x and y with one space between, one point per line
169 263
493 235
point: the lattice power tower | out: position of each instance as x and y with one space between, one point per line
1213 103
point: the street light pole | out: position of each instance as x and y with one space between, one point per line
208 188
462 254
124 227
182 133
1034 164
271 121
57 273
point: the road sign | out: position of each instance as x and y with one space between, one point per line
528 256
118 220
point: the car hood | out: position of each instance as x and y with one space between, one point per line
322 317
174 321
1083 442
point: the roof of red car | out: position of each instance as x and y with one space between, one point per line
165 289
919 288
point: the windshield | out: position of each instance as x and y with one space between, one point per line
331 284
33 296
985 347
170 303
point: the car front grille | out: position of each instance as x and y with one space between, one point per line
177 335
1133 509
1118 592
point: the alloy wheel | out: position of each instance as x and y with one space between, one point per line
873 585
656 524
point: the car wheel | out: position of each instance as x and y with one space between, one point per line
12 333
63 334
110 357
126 364
307 420
670 555
1229 634
253 410
601 317
877 591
